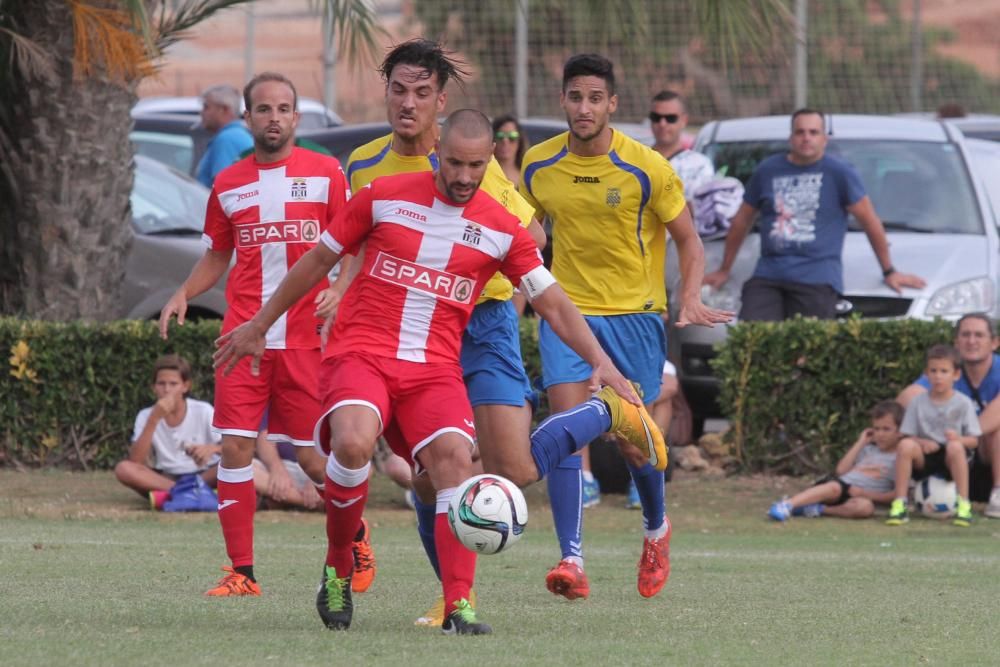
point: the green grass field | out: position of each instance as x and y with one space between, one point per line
89 576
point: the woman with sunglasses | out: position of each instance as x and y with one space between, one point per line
510 146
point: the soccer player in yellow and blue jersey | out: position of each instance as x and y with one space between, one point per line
416 73
610 201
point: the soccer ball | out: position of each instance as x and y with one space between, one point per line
487 513
935 497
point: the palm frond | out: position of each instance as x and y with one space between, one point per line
742 27
172 27
109 37
28 57
355 23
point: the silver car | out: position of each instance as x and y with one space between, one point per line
927 184
168 214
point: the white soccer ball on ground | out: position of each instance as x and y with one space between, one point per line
935 497
488 513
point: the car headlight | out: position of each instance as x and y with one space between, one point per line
974 295
724 298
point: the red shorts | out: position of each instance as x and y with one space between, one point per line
287 388
414 402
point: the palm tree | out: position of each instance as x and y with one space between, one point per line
69 70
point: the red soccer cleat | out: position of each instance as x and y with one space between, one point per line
568 580
654 565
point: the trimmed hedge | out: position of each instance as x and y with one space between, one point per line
798 392
72 390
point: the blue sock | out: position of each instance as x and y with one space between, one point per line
565 495
425 527
566 432
649 484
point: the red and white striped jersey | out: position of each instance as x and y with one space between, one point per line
272 214
426 261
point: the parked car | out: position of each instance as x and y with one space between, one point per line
312 113
168 213
927 184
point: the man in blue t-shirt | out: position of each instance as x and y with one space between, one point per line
804 198
977 341
220 115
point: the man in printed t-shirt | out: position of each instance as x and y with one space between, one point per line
804 198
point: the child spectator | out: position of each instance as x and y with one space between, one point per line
864 476
173 444
945 430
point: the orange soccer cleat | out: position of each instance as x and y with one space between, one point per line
364 560
568 580
654 565
234 584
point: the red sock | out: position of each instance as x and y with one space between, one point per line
458 564
344 507
237 503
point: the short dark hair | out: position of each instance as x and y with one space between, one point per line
426 54
589 64
667 96
268 76
806 111
522 141
888 409
172 362
977 316
469 123
942 351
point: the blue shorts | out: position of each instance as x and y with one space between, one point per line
635 342
491 357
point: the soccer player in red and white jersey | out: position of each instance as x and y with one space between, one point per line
270 209
392 363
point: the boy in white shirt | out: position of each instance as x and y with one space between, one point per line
173 438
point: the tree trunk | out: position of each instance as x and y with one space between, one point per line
67 227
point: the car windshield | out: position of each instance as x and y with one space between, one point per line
915 186
163 200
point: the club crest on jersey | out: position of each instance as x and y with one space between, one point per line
473 234
281 231
614 197
299 188
439 284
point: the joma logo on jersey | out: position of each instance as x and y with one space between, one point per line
411 214
284 231
246 195
299 188
586 179
440 284
472 234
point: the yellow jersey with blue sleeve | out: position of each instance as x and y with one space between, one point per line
608 216
376 158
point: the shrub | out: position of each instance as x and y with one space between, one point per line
73 389
797 393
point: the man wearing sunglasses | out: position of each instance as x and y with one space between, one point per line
668 118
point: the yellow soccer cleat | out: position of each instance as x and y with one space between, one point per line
633 424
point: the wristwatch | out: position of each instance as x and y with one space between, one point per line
889 271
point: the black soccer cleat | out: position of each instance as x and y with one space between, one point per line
333 600
462 621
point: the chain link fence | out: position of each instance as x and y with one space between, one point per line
864 56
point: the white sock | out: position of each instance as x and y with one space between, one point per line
588 476
659 532
576 560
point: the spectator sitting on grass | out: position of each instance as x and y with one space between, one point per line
864 476
945 432
172 439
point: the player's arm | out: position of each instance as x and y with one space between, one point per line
206 273
537 233
691 253
989 418
875 231
248 338
739 227
139 450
